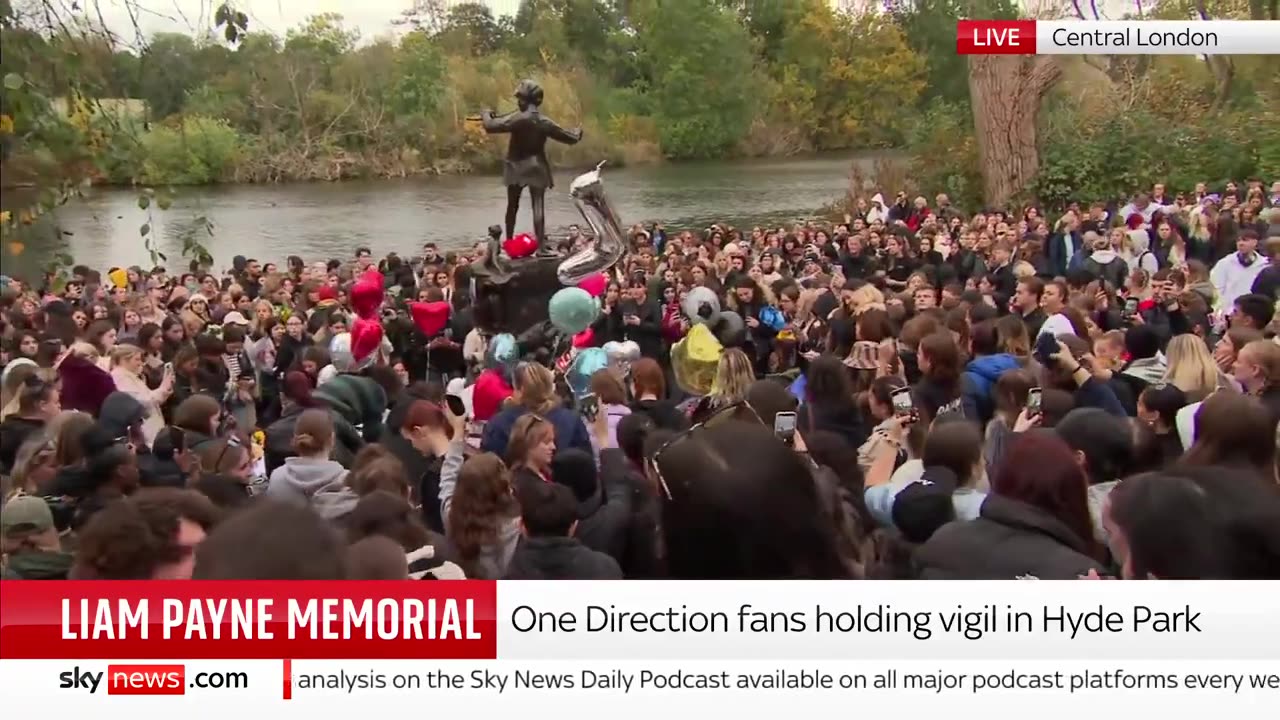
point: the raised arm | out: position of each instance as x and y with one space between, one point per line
559 134
495 125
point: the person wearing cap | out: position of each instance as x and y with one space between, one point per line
29 544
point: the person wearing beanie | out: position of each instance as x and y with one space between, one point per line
29 543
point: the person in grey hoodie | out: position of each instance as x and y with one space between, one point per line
311 478
477 503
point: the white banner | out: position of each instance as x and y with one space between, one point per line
1157 37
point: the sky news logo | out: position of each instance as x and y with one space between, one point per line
148 680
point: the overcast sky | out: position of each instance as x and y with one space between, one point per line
371 17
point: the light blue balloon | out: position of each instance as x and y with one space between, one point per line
587 363
572 310
503 352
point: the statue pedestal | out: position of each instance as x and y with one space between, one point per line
521 302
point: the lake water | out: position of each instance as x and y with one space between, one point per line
322 220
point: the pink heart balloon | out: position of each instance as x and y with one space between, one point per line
366 295
522 245
594 284
366 336
584 338
430 317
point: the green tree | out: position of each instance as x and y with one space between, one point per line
929 27
470 27
420 68
861 71
701 65
167 69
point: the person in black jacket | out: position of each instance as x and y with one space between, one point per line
642 321
603 511
829 404
1034 524
549 550
37 404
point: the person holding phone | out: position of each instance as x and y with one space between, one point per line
641 320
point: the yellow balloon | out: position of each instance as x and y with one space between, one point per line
694 360
119 278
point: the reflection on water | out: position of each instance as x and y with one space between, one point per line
321 220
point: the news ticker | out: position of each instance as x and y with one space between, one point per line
1118 37
543 648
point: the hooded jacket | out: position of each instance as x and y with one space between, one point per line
120 411
1109 266
319 484
979 380
359 400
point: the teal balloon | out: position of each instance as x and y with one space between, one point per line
572 310
584 365
503 352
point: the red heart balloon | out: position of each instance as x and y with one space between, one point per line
366 295
522 245
584 339
594 284
430 317
366 336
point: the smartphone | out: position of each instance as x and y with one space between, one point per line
1033 401
903 405
178 438
1130 306
589 405
456 406
784 426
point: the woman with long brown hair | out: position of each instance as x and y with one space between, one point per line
481 515
529 452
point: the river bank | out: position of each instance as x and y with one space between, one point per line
318 220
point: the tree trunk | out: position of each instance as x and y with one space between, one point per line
1006 91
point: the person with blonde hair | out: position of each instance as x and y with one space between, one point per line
127 366
1257 369
734 376
1192 369
534 391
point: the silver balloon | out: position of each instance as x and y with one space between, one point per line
621 355
587 191
503 352
630 350
587 363
340 353
700 305
729 328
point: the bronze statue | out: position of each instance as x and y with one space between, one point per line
526 165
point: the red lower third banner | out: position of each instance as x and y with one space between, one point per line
248 620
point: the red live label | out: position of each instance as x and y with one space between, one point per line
996 37
146 679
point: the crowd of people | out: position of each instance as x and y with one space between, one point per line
916 392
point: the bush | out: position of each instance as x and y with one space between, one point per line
194 151
945 152
1108 158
